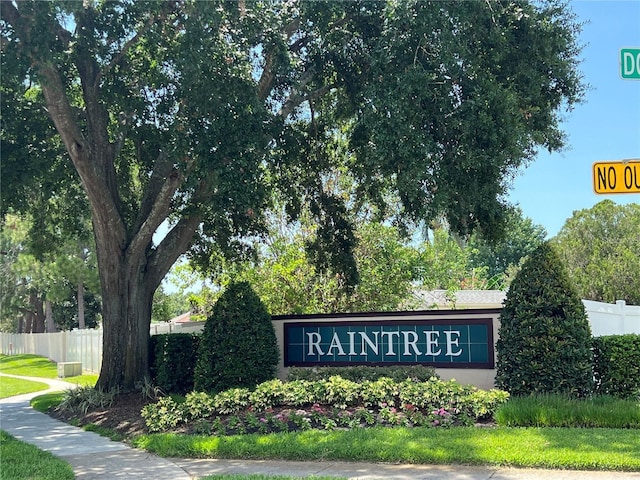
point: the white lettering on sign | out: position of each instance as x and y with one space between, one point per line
365 339
335 343
314 342
451 342
630 63
389 335
410 343
385 342
432 340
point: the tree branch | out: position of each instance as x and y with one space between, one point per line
81 151
297 99
158 206
171 247
161 171
125 48
265 84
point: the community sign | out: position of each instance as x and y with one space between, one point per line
406 338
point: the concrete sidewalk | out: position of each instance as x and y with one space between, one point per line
90 455
96 457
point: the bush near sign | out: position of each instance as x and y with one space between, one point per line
616 177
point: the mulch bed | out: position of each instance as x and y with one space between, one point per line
122 416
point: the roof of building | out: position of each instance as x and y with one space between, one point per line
444 299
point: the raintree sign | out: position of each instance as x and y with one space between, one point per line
442 343
630 63
616 177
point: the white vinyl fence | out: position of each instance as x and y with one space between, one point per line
75 346
612 319
86 345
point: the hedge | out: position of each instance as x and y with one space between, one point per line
173 359
616 365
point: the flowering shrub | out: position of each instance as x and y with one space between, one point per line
274 406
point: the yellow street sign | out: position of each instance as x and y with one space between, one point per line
616 177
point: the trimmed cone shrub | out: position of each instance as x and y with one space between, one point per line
545 337
238 347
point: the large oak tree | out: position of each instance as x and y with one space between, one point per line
193 113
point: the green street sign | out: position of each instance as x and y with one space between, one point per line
630 63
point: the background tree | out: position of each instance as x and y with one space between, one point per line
600 247
191 112
521 237
35 281
545 337
168 305
287 280
446 265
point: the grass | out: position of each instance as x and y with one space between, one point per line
537 446
10 387
36 366
44 402
560 411
104 432
21 461
563 448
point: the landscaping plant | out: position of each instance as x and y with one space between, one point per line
617 365
238 347
274 406
544 343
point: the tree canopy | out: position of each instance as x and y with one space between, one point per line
193 113
600 247
521 237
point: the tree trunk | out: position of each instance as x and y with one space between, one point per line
37 324
126 312
48 317
81 325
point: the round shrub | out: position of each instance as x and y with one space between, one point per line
238 347
545 338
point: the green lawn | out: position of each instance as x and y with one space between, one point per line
10 387
36 366
21 461
539 447
563 448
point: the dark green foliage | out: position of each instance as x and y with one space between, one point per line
359 374
545 338
202 113
238 346
173 359
616 365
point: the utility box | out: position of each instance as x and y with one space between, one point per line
69 369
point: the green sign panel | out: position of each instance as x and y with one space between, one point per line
438 343
630 63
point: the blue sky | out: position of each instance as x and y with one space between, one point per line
605 127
